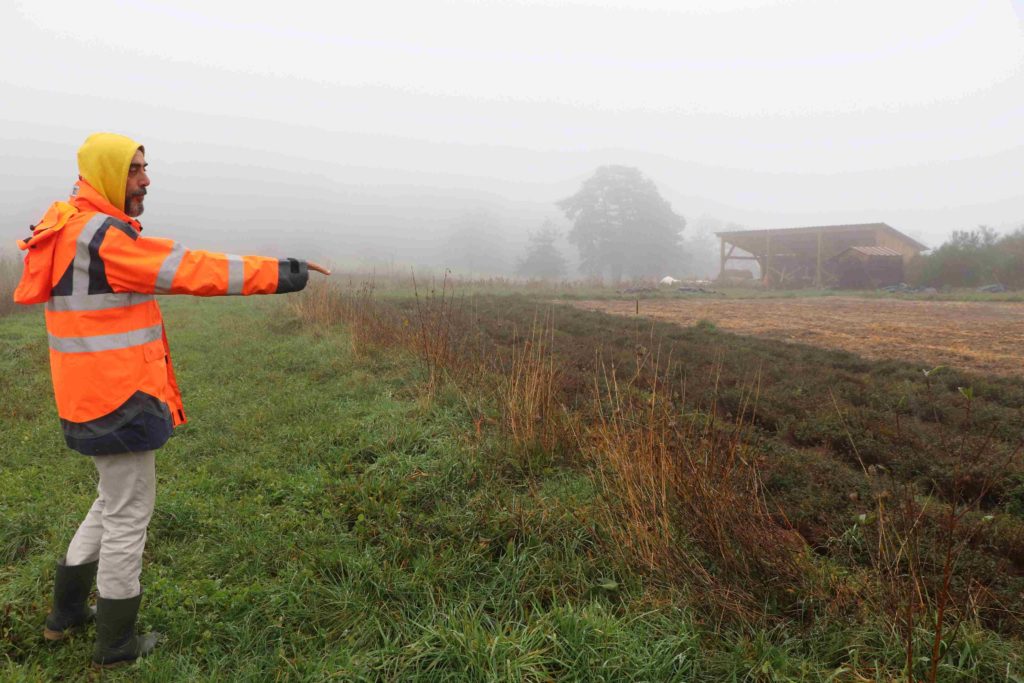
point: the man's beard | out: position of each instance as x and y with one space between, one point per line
135 201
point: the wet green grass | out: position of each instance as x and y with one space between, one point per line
321 518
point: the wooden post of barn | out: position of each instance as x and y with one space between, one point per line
768 259
721 252
817 273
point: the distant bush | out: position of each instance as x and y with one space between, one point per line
542 260
971 258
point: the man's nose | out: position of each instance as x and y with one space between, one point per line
144 181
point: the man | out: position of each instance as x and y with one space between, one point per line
113 381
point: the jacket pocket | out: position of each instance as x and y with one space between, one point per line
153 351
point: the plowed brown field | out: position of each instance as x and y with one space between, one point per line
975 336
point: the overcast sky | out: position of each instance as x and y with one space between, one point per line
768 113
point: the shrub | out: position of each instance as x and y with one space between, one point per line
973 257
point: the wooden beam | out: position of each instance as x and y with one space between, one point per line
721 253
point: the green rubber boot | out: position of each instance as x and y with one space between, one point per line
116 640
71 588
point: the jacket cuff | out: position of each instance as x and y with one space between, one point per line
292 275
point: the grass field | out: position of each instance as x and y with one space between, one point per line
372 490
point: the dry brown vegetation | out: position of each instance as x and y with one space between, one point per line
683 492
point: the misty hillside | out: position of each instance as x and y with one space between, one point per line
384 197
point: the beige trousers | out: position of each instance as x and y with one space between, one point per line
114 530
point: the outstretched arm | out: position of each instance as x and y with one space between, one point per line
153 265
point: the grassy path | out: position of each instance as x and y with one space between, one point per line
319 519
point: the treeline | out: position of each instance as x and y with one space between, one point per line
972 258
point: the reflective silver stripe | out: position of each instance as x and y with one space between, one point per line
236 274
96 302
80 275
168 269
106 342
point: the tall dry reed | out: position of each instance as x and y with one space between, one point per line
684 495
527 389
353 304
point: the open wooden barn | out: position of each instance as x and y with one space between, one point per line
809 257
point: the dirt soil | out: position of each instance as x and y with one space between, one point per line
984 337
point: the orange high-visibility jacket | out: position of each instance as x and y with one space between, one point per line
111 365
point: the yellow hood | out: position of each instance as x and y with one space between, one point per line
103 161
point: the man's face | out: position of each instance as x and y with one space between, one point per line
138 181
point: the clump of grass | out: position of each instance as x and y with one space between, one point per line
353 304
527 389
684 496
433 322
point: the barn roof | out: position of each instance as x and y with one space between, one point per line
874 251
741 238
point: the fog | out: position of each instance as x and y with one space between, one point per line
404 133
